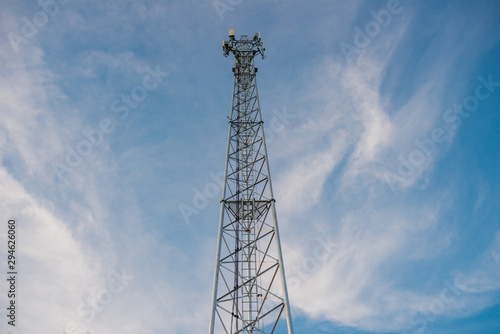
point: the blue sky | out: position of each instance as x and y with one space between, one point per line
382 125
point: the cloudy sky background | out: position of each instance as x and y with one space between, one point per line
387 188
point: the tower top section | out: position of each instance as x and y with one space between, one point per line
243 47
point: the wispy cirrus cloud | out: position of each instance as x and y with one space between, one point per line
484 276
393 251
363 131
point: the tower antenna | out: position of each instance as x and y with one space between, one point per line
250 293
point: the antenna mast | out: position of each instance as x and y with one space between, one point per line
250 294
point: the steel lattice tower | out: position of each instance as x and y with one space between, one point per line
250 294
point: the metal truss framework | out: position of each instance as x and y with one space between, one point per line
250 294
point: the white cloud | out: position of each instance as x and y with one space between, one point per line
77 232
54 270
352 132
123 62
484 276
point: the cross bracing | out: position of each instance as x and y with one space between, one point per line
250 294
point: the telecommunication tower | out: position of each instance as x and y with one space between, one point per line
250 294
